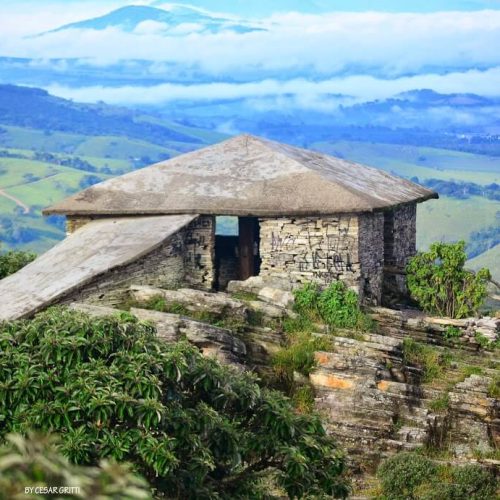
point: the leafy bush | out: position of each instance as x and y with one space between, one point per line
337 306
413 476
113 390
36 462
438 281
403 473
306 299
452 333
13 260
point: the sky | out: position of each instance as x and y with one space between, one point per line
364 49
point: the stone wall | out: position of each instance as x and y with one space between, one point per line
371 256
186 258
199 253
163 267
400 232
314 249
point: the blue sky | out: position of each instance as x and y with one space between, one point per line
364 49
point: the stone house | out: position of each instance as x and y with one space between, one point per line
301 216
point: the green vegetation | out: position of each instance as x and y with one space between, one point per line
438 281
12 261
432 361
225 319
336 306
494 387
485 343
413 476
35 461
298 355
452 333
112 390
440 404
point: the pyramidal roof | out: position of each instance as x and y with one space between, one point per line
246 176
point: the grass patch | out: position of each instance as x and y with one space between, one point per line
245 296
223 320
440 404
494 387
303 399
469 370
298 355
414 476
432 361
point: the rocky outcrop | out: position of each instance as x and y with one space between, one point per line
211 340
192 300
371 398
376 404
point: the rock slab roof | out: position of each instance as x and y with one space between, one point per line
246 176
96 248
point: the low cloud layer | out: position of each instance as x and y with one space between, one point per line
365 55
305 93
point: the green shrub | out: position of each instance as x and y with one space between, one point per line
112 390
452 333
438 281
402 474
36 462
472 482
412 476
337 306
14 260
432 361
306 299
485 343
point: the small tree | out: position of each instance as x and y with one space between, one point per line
438 281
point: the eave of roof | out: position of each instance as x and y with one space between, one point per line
247 176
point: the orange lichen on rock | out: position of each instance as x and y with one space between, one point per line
330 381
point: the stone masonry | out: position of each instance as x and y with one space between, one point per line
185 258
345 247
400 229
199 253
371 256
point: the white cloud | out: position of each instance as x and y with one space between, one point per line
382 44
319 95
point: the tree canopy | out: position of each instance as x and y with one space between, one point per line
193 428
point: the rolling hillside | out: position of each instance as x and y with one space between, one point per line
51 148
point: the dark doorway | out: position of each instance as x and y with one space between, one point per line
236 250
249 239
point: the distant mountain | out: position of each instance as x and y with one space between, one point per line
130 19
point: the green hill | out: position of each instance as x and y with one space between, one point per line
489 259
51 148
